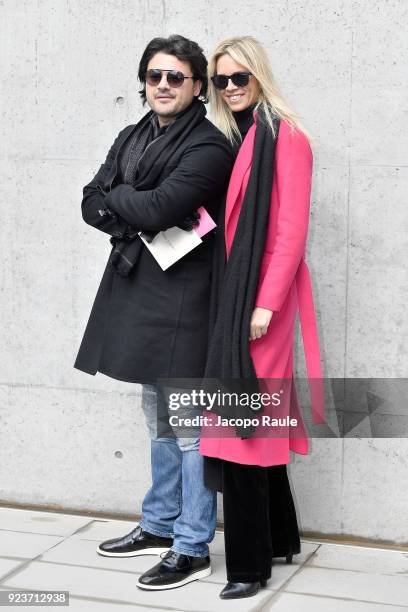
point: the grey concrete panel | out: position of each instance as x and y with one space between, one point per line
374 492
380 89
74 449
327 260
378 278
316 486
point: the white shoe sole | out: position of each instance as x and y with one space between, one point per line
137 553
196 576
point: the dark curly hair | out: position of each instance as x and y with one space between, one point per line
185 50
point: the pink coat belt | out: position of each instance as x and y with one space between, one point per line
310 341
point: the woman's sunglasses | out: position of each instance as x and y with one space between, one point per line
175 78
240 79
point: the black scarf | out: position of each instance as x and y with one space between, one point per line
234 283
134 149
126 252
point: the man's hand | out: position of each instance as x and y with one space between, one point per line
189 222
261 317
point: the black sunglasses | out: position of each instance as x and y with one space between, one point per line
175 78
240 79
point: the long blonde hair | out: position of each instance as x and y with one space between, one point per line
248 51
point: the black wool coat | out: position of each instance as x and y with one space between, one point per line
154 323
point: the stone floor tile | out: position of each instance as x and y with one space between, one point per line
6 565
289 602
104 529
111 586
385 589
25 545
360 559
33 521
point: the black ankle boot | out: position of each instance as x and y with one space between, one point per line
238 590
288 553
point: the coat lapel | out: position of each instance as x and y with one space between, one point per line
242 163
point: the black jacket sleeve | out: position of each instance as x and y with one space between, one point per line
94 210
202 174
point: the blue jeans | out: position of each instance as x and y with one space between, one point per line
177 505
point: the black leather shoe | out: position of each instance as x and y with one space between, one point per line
135 543
238 590
174 571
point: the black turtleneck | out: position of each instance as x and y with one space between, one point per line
244 119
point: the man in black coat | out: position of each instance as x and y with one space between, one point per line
147 323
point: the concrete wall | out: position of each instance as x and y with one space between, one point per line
68 69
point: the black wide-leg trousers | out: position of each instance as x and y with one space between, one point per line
259 519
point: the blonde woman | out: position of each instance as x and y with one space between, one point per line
260 282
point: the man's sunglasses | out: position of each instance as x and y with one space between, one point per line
240 79
175 78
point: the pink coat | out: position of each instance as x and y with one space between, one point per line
284 287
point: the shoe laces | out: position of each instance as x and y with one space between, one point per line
136 532
167 554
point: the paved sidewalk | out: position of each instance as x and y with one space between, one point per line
50 551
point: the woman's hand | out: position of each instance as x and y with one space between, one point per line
261 317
